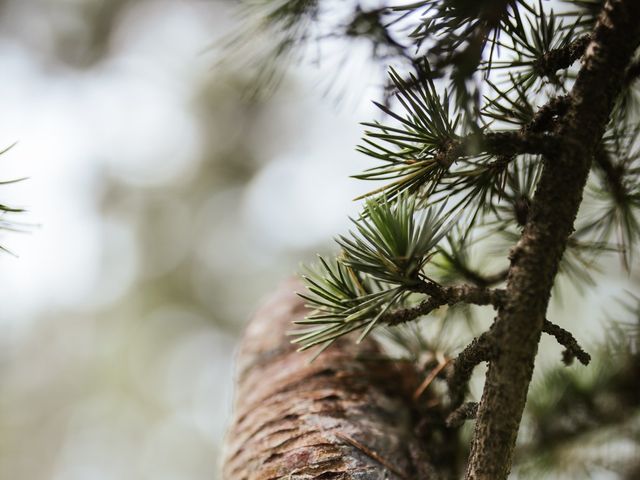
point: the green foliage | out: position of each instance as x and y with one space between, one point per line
6 211
391 244
457 32
474 87
510 106
380 265
427 152
431 148
342 301
409 150
531 42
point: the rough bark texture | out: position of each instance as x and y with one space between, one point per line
534 260
342 416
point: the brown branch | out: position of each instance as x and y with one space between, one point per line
347 415
466 411
439 296
533 138
535 259
515 143
481 349
545 118
503 144
563 57
568 341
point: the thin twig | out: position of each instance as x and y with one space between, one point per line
503 144
481 349
563 57
545 117
439 296
466 411
568 341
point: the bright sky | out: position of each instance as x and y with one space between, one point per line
131 117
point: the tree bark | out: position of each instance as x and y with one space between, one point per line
535 259
343 416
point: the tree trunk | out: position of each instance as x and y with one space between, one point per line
343 416
535 259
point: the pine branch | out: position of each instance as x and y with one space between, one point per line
345 301
420 154
481 349
540 46
562 57
439 296
450 145
346 415
464 412
568 341
535 260
499 144
458 30
420 150
6 211
380 266
545 118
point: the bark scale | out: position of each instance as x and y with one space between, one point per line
343 416
535 259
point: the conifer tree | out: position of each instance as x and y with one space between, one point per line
499 117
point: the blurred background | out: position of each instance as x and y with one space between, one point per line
163 203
